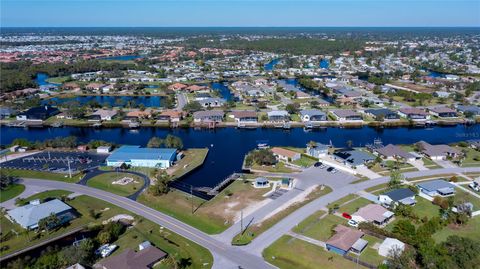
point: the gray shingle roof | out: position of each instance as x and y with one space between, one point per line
29 215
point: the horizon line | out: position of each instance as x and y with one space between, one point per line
372 26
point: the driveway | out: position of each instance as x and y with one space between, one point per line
305 179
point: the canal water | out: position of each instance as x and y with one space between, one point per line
271 65
294 82
324 63
122 58
41 80
229 145
147 101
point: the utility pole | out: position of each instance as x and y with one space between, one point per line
69 170
191 197
241 221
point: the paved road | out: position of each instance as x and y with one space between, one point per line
181 101
287 223
225 256
305 179
97 172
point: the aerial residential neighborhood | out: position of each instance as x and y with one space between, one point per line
239 134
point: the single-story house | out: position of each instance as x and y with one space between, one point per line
403 196
437 187
391 152
346 239
317 151
313 115
142 157
474 143
197 88
244 116
170 115
413 113
278 116
208 116
443 112
6 112
438 152
373 213
94 86
139 114
102 114
177 87
285 154
212 102
64 115
387 114
472 109
390 244
28 216
38 113
353 157
346 115
129 259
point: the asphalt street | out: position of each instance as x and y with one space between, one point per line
225 255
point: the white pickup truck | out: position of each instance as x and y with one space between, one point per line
474 186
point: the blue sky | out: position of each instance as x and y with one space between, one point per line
164 13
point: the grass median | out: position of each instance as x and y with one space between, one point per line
112 182
255 230
42 175
11 192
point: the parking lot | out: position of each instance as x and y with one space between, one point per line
57 161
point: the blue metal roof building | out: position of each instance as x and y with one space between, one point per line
142 157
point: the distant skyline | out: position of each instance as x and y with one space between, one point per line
234 13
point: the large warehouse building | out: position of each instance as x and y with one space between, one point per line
142 157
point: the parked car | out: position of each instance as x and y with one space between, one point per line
318 164
474 186
332 170
353 223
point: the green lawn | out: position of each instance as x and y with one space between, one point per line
104 182
342 200
193 158
58 79
42 175
164 239
472 158
291 253
44 195
11 192
320 229
462 196
305 161
278 168
470 230
425 208
370 254
253 231
430 164
171 243
353 206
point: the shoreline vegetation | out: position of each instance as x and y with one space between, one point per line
118 124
